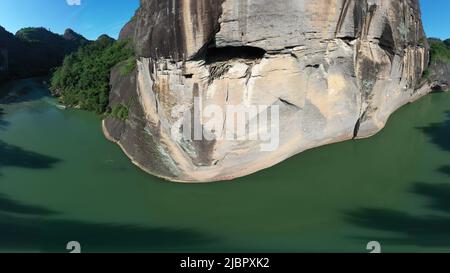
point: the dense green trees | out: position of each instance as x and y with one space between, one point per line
439 51
447 43
119 111
34 52
439 59
83 79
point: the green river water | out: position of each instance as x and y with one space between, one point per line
61 181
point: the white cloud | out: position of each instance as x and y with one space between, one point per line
73 2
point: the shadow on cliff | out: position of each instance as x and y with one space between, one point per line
428 230
33 228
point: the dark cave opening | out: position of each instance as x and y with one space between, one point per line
220 54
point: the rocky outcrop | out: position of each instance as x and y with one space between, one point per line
73 39
175 30
309 72
437 75
440 77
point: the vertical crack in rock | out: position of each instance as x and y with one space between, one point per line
342 16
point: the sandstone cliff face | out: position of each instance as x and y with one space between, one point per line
439 80
336 70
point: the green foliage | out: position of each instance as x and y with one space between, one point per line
83 79
439 51
447 43
128 66
422 42
426 74
120 111
37 35
34 52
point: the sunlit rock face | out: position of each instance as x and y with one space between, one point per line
317 72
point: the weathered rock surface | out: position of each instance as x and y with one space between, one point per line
337 69
439 79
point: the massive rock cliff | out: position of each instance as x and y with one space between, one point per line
327 70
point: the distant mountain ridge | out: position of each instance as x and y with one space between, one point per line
35 52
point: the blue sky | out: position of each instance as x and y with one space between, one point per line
436 18
91 19
95 17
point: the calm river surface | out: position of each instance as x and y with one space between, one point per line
61 181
